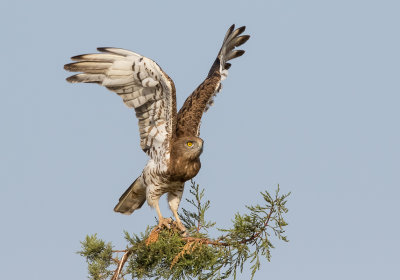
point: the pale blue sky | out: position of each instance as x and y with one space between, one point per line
312 105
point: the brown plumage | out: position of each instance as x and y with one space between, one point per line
169 138
185 161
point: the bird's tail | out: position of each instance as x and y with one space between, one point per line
132 199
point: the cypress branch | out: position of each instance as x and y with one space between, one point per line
166 254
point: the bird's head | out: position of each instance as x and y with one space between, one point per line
189 147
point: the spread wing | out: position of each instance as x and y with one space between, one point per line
189 116
141 83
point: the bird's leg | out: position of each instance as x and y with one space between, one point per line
173 201
162 221
181 227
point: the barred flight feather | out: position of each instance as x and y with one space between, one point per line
133 77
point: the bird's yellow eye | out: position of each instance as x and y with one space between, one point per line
190 144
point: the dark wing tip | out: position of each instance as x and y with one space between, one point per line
240 52
229 32
107 49
241 29
78 57
235 54
72 79
243 39
69 67
103 49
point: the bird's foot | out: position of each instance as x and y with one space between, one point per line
181 228
164 222
171 224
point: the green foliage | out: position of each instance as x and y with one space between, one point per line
98 255
156 259
195 221
252 229
166 254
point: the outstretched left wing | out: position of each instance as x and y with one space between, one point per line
189 116
141 83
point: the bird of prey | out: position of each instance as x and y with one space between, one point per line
169 138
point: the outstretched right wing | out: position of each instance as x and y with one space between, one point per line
141 83
189 116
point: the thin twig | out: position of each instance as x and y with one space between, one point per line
121 264
257 234
205 241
